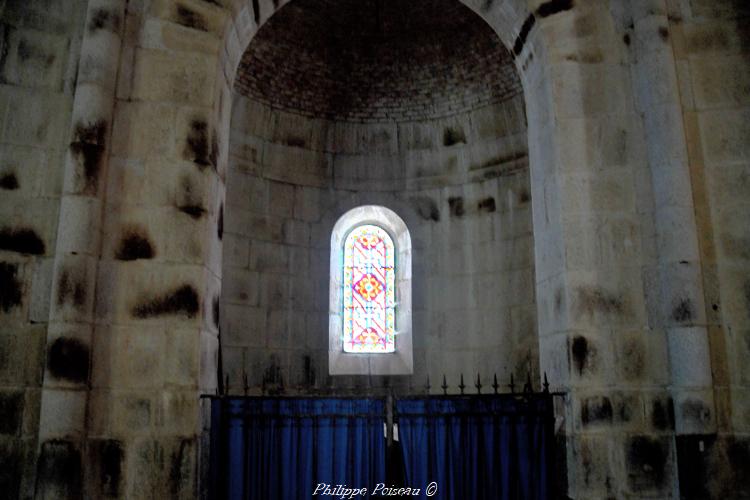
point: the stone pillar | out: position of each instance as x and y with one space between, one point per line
155 346
585 143
675 283
62 426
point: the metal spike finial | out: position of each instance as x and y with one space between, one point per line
245 385
546 383
427 386
494 383
512 385
462 386
226 384
527 385
444 386
478 385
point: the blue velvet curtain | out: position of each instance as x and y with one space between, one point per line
477 447
268 448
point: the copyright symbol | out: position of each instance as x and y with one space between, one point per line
431 489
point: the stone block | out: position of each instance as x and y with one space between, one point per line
280 199
80 231
27 172
591 357
733 235
618 303
275 290
241 286
178 412
136 358
581 90
34 58
142 130
378 138
598 191
728 186
706 9
307 203
266 228
298 166
682 296
63 413
417 135
296 233
158 76
181 362
243 326
12 404
649 464
711 38
725 135
268 257
301 293
162 467
590 465
208 369
158 34
35 118
316 331
72 288
300 261
695 412
105 463
41 284
490 122
689 356
132 413
236 250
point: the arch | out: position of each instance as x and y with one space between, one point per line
505 17
400 360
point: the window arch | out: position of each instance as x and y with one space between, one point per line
370 294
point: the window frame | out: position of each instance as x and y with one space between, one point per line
399 362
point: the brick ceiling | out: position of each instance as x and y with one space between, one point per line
377 60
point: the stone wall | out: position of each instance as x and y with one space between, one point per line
461 185
115 143
39 47
711 44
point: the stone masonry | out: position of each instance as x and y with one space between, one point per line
574 175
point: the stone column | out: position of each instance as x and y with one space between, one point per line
585 144
62 427
675 283
155 345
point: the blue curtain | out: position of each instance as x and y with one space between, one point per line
268 448
477 447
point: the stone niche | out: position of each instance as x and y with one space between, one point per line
364 106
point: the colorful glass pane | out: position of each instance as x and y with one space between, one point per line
369 291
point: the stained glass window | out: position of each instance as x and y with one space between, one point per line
369 291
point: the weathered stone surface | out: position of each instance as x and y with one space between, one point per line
573 176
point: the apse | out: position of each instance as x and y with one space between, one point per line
416 107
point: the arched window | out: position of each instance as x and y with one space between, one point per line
370 294
369 291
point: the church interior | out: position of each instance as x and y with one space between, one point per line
566 182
